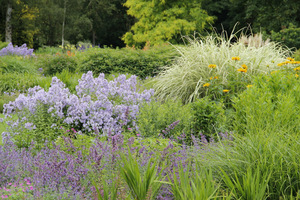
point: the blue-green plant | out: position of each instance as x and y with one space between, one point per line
193 184
252 185
142 185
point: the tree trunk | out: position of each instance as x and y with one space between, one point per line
63 25
8 29
94 38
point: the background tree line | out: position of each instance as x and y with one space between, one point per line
137 22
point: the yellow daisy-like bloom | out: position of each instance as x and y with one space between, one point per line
297 69
296 75
242 70
206 85
226 91
236 58
216 77
249 86
210 78
295 62
285 63
290 59
212 66
244 66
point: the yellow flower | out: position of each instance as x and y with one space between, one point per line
212 66
297 69
236 58
210 78
226 90
216 77
206 85
249 86
290 59
242 70
297 75
244 66
273 72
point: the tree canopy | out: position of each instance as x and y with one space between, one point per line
137 22
159 21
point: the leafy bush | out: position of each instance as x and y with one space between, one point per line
138 62
210 65
99 105
54 64
15 50
208 117
271 104
169 119
289 36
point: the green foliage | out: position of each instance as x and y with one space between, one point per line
17 82
15 64
258 14
46 128
138 62
108 192
155 117
3 44
70 79
194 184
272 104
208 117
161 21
56 64
249 160
6 98
206 67
79 142
142 185
289 36
47 50
296 54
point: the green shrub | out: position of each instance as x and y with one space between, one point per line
54 64
209 65
272 104
289 36
138 62
208 117
155 119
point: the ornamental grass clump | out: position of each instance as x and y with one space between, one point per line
189 77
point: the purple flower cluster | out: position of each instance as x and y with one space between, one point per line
15 50
106 106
